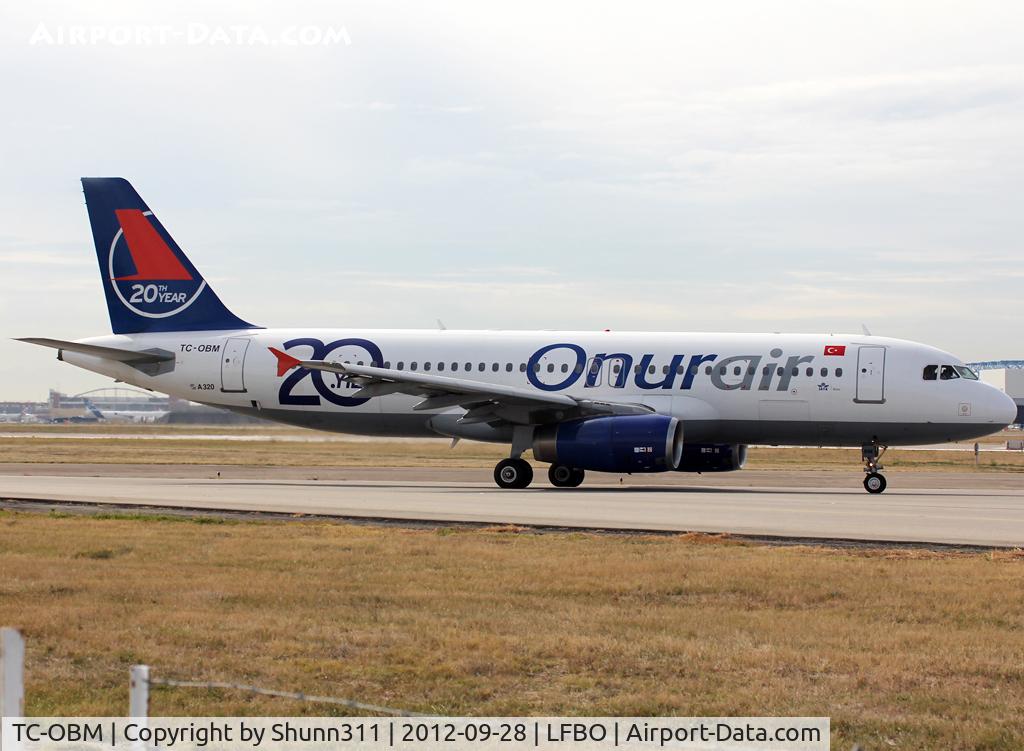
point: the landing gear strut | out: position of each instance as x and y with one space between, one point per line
564 476
513 473
871 454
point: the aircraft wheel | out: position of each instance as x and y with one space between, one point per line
564 476
513 473
874 482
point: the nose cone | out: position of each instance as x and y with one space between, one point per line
1004 409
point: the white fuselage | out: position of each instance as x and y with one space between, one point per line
725 388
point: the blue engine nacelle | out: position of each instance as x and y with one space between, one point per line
713 457
627 443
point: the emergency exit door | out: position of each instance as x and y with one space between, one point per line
232 365
870 375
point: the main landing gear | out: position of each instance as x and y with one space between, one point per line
513 473
564 476
516 474
871 454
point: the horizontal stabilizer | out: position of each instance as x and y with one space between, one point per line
129 356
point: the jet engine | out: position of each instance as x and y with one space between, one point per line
622 443
712 457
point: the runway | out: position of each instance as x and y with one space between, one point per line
988 514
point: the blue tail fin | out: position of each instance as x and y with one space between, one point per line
149 282
93 409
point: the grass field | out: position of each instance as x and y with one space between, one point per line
907 650
428 453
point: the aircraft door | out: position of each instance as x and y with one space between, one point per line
232 364
870 375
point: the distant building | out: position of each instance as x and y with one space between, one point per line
109 401
119 404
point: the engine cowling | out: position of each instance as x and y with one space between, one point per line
713 457
624 443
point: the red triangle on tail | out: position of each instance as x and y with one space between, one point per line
154 260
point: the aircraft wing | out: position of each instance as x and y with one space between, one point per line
483 402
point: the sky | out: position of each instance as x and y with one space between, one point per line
678 166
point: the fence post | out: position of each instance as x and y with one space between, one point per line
138 691
12 676
12 664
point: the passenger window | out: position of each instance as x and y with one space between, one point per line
412 366
781 371
469 367
551 367
824 372
426 366
931 372
387 365
578 369
737 370
522 367
651 369
796 371
455 366
839 372
664 370
948 373
766 370
721 370
693 370
536 367
680 369
440 366
401 365
810 372
494 367
481 367
508 367
707 370
565 368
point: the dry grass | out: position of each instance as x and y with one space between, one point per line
428 453
902 649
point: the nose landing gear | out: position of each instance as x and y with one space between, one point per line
871 454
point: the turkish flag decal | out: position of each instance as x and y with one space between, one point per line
835 350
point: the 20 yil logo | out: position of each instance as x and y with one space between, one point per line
145 272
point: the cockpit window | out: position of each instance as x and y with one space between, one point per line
966 372
931 372
948 373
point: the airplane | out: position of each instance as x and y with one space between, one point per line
581 401
124 415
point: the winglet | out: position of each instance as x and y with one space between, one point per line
285 362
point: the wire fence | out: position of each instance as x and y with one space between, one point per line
296 695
